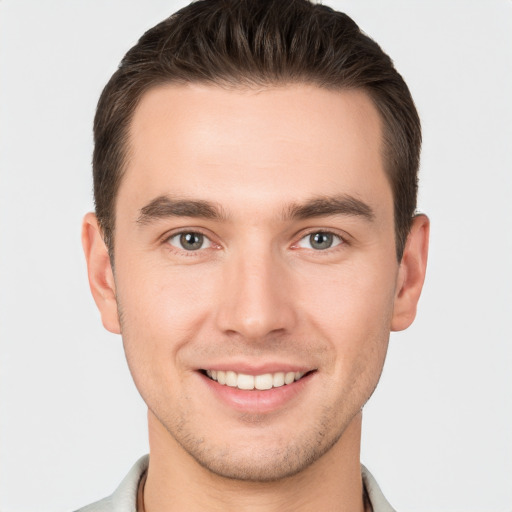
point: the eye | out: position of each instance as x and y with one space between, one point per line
189 241
320 241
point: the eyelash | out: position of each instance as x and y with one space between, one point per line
213 245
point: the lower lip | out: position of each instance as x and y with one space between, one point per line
255 400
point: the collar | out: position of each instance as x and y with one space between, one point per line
124 498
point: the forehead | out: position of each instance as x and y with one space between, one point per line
286 143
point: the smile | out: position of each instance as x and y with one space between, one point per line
248 382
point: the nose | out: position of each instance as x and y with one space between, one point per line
256 296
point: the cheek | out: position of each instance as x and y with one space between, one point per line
353 310
161 309
355 291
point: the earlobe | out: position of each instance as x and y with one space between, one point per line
411 274
99 270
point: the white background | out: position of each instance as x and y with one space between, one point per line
438 431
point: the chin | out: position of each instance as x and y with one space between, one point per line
263 467
267 459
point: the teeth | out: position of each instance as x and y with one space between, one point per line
248 382
289 377
263 381
231 379
278 380
245 381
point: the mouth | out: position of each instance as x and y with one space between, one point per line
250 382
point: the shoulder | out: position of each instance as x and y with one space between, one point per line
124 498
378 502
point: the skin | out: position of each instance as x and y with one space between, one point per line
257 293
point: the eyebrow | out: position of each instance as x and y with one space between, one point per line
164 207
324 206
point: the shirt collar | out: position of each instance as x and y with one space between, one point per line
124 498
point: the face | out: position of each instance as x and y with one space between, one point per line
255 270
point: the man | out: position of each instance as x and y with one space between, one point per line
255 241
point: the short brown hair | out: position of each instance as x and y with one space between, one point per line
245 43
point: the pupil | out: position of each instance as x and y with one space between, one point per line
191 241
321 240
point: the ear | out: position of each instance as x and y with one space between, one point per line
411 274
99 270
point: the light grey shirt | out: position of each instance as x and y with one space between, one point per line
124 498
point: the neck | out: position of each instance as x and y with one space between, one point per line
176 482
